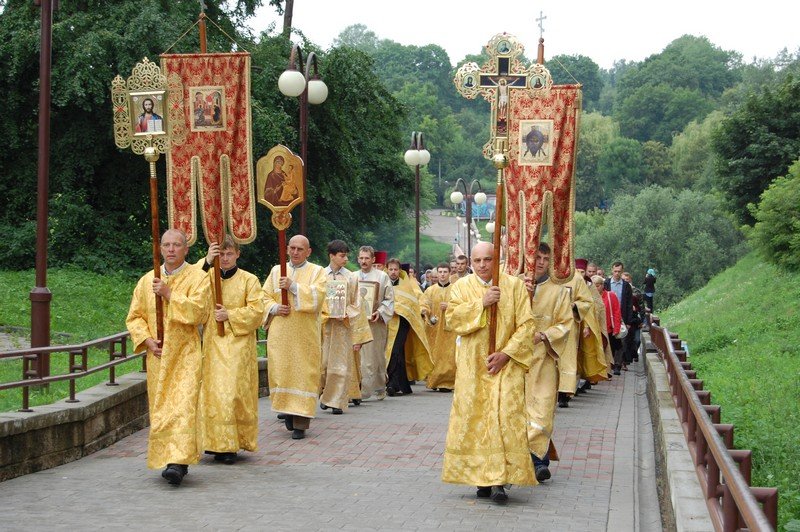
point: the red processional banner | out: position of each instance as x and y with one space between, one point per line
211 158
540 178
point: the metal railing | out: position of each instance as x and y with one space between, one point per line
32 360
724 472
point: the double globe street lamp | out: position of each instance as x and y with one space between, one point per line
311 90
456 197
415 157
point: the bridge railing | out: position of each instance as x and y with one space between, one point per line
724 472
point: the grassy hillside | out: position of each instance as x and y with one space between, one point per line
743 334
84 306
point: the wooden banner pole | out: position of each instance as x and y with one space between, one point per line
151 156
282 258
500 161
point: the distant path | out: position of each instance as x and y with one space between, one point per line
441 228
9 342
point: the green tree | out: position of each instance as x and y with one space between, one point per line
686 236
659 96
358 36
691 154
757 143
89 177
657 163
596 132
620 167
776 232
569 69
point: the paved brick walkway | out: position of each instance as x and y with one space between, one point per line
376 467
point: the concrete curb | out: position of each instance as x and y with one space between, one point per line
683 504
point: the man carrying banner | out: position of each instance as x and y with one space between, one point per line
294 337
229 393
174 366
487 444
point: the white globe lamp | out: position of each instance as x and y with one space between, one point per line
292 83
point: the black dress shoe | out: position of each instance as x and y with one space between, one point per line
484 492
228 458
542 473
563 400
356 402
337 411
498 494
445 390
298 434
288 421
391 392
323 406
174 473
617 372
281 416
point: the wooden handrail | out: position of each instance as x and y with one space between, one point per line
732 503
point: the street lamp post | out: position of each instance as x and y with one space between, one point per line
457 197
311 89
415 157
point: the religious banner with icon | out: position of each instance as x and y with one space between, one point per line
538 123
540 182
212 91
280 183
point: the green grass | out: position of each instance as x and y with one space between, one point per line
742 331
85 306
430 250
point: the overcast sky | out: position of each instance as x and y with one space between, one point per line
604 31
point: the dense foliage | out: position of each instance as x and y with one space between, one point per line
658 97
685 235
99 216
757 143
776 232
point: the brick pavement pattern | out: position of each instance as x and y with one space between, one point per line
378 466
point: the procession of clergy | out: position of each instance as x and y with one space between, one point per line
335 349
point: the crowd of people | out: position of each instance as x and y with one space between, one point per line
336 338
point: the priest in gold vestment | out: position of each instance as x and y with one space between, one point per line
294 350
229 393
339 317
407 352
441 338
552 314
487 444
592 364
174 366
582 306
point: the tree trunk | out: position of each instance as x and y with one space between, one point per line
287 18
